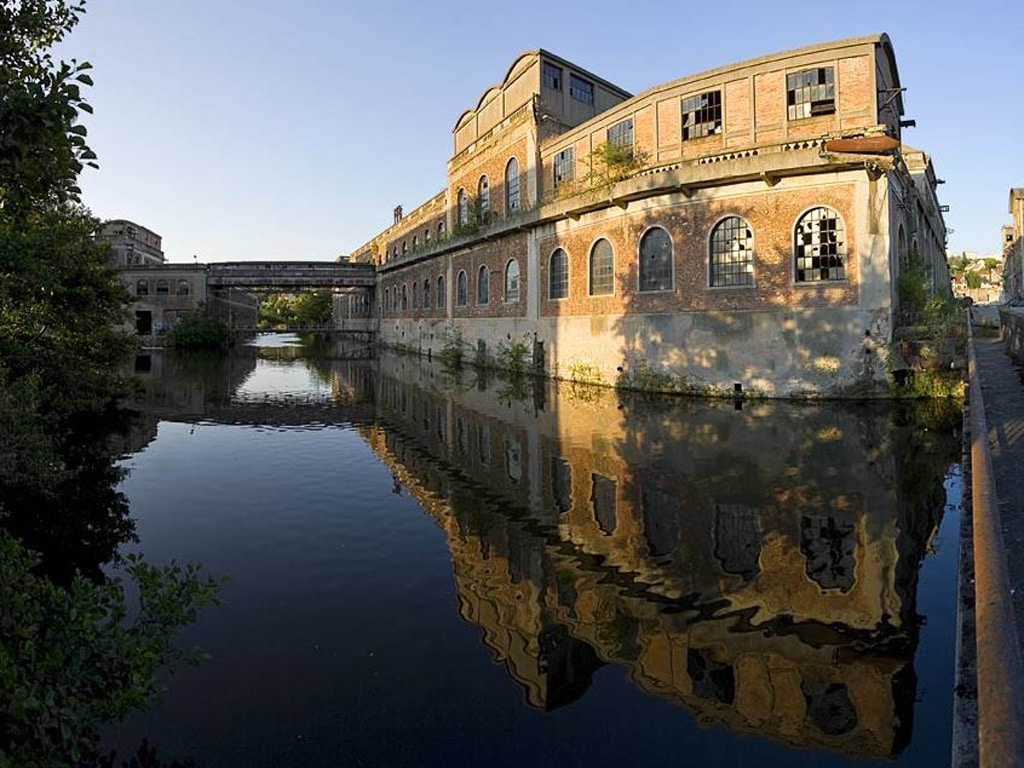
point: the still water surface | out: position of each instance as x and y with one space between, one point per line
436 570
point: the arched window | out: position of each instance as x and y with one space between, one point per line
820 246
184 289
426 235
463 208
655 260
426 293
483 285
163 288
405 247
387 299
416 295
142 288
731 261
440 230
442 296
901 248
415 242
461 289
512 282
511 186
602 269
483 199
558 275
405 297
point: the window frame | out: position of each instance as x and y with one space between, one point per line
795 89
620 135
462 289
512 197
671 260
590 268
563 167
845 255
581 89
750 249
551 76
551 275
483 286
697 127
442 294
508 267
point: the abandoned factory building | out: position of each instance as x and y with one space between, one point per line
742 228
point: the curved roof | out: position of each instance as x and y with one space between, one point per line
517 66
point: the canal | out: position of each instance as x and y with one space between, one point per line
435 569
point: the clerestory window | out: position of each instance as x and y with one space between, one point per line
702 115
810 92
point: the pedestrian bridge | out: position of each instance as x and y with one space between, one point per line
290 275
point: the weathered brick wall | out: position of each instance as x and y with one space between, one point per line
772 216
495 256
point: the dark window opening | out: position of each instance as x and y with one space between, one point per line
702 115
655 260
602 499
558 275
732 253
810 93
565 166
552 76
581 90
820 246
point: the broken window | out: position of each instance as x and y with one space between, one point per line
655 260
581 90
184 289
732 253
811 92
558 275
621 134
702 115
565 166
602 269
820 246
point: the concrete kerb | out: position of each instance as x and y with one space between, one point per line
1000 674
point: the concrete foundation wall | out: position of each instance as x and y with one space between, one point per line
774 353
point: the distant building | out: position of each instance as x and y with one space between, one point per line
977 276
1013 248
132 245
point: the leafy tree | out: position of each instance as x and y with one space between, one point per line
973 280
69 658
199 330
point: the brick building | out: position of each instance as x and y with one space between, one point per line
739 228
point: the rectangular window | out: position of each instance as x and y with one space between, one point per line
552 76
565 166
621 134
702 115
581 90
810 93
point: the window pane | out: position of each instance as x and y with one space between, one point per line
656 261
602 269
558 277
512 185
512 281
732 253
820 246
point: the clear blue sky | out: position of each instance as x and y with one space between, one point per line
265 129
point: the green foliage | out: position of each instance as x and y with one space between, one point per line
71 659
912 287
611 163
284 310
42 145
921 384
453 353
199 330
972 280
585 373
514 356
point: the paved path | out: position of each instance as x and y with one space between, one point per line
1003 393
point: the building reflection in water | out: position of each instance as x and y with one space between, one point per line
757 566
